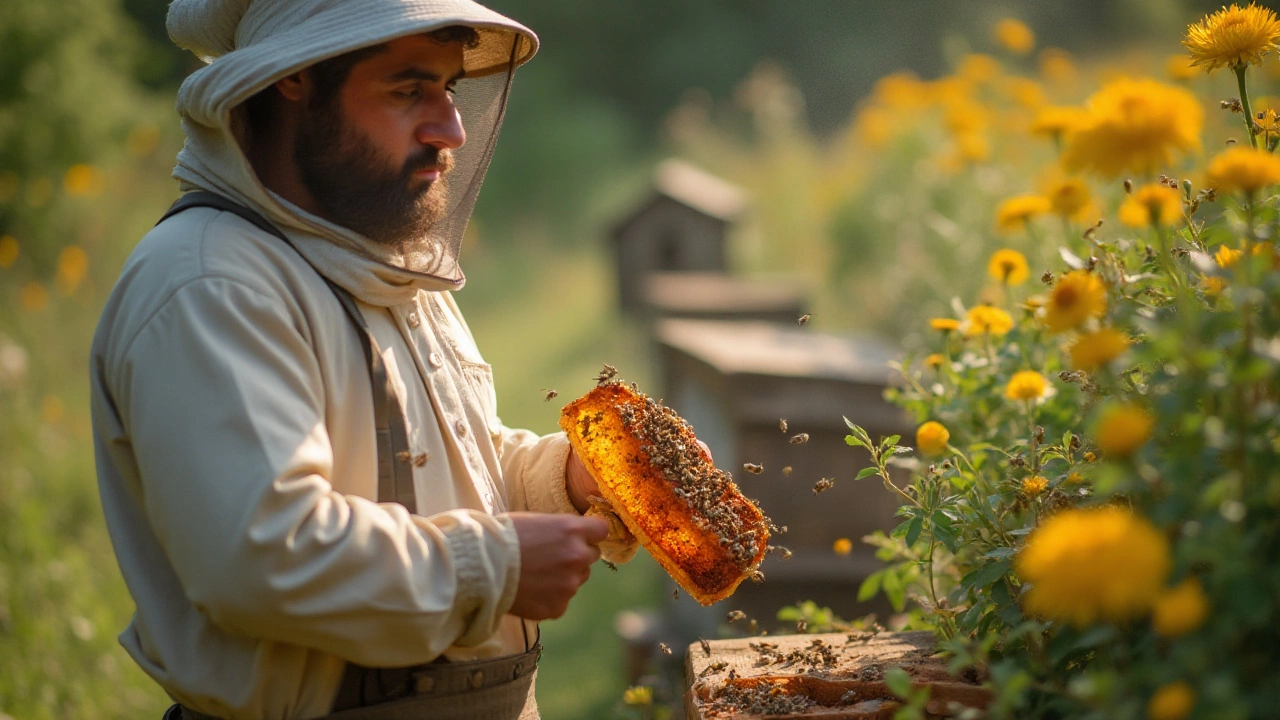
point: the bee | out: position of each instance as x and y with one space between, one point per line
753 627
757 576
823 484
786 471
706 646
735 615
675 594
663 647
607 373
716 666
550 394
782 424
802 626
420 459
800 439
609 565
753 468
803 320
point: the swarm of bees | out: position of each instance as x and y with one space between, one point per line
823 485
753 468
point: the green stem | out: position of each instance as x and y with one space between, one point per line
1244 104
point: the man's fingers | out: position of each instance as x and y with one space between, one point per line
705 448
594 529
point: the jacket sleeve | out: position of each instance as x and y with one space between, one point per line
223 400
533 470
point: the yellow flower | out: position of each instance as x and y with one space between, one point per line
1122 429
1057 122
73 265
82 180
1181 609
1171 702
1213 285
1069 198
1226 257
1097 349
944 324
1243 169
1179 68
932 438
638 695
1090 565
1015 36
1232 37
1008 266
8 251
1033 486
1075 478
1014 213
843 546
33 297
1077 296
936 360
1134 126
1056 66
972 147
875 126
1151 204
1090 457
978 68
1025 92
1027 385
985 319
901 91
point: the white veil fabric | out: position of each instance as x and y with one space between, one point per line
250 44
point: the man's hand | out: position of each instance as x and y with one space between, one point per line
556 553
578 482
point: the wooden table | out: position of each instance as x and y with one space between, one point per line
835 676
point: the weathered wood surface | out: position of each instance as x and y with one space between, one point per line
841 675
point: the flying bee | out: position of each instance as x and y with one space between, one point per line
550 394
663 647
706 646
753 627
802 625
607 373
757 576
420 459
803 319
823 484
675 594
609 565
753 468
786 471
800 439
782 424
735 615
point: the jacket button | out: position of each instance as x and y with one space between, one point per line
435 360
477 680
461 427
413 319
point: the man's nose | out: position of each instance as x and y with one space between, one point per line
442 127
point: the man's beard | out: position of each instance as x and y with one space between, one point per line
357 189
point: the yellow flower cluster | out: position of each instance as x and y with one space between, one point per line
1077 297
1122 429
1243 169
987 320
1014 213
1232 37
1034 485
1181 609
1134 125
1151 205
1171 702
1009 267
1089 565
1097 349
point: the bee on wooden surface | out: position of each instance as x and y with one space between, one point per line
550 394
823 485
802 626
607 373
735 615
800 439
706 646
803 319
786 471
716 666
663 647
782 424
753 468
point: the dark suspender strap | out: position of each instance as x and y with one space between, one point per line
395 470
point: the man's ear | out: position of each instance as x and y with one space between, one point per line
296 87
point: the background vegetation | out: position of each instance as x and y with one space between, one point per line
766 93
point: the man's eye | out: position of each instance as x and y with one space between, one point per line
409 94
452 90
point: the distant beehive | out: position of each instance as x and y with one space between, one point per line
717 296
733 381
681 228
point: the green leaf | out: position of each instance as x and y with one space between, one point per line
849 423
987 574
913 531
898 681
869 587
891 440
894 590
855 442
866 472
999 553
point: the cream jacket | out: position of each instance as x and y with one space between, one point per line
236 458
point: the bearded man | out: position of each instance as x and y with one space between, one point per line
311 497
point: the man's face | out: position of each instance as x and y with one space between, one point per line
375 156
